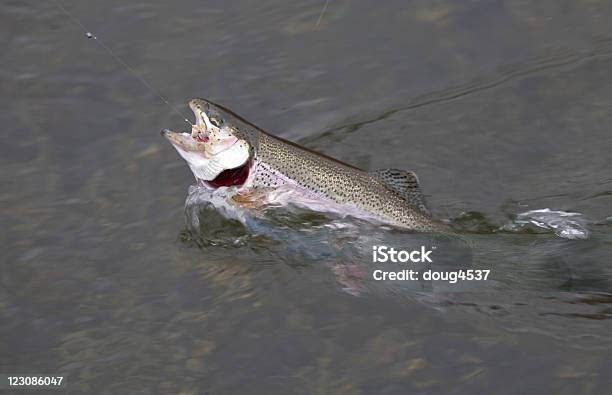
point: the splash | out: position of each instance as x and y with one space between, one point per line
564 224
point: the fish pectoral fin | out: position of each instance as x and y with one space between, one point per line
251 199
404 183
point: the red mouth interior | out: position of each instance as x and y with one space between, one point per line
201 139
231 177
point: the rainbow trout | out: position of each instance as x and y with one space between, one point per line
225 151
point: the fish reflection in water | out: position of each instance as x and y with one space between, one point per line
296 236
301 237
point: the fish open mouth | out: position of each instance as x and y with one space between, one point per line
227 168
215 153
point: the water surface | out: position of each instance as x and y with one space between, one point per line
501 107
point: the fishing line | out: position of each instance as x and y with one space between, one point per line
119 60
322 12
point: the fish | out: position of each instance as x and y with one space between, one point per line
223 151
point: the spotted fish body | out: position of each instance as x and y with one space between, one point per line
389 196
343 184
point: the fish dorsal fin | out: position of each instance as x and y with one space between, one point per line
404 183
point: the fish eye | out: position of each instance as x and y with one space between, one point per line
216 122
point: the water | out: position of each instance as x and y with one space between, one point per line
501 108
566 225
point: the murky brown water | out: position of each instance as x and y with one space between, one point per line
500 107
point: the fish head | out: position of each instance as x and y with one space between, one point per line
218 149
